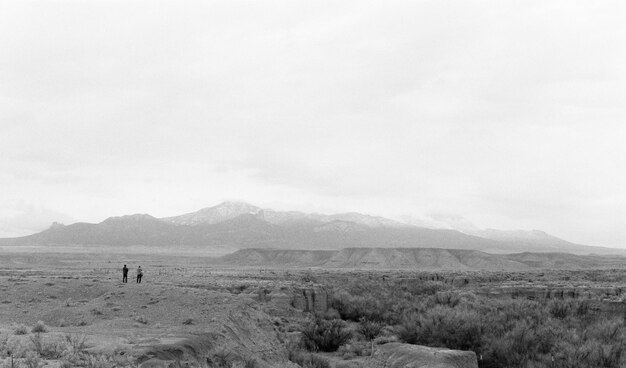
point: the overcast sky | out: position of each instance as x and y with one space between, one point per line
505 114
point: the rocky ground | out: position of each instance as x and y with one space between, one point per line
136 319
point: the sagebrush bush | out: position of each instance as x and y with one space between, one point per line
559 308
582 308
98 361
21 330
444 327
307 360
3 343
32 360
249 362
606 331
331 313
370 329
141 319
354 308
39 327
222 358
325 335
449 298
37 342
54 349
76 342
354 349
226 358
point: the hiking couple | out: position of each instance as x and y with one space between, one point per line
125 274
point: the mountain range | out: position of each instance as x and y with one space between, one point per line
241 225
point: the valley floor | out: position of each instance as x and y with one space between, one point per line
189 310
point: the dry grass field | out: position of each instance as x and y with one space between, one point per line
181 311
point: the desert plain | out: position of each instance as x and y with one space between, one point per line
68 308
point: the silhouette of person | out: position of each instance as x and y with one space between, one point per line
139 274
125 274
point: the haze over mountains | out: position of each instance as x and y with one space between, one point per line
237 225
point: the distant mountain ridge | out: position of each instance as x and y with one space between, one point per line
423 259
213 215
229 210
241 225
528 236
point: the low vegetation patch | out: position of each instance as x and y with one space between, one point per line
325 335
21 330
308 360
504 333
39 327
226 358
141 319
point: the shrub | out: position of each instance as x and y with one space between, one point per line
325 335
559 309
3 344
592 354
308 277
582 308
524 343
307 360
222 358
448 298
407 330
141 319
443 327
188 321
54 349
98 361
249 362
77 342
330 313
369 329
20 330
354 349
40 327
32 360
354 308
37 342
606 331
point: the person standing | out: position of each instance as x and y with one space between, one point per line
139 274
125 274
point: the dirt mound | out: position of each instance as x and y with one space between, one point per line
397 355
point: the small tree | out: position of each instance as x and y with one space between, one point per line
370 330
325 335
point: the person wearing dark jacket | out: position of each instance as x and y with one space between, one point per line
125 274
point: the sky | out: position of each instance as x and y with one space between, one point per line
499 114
